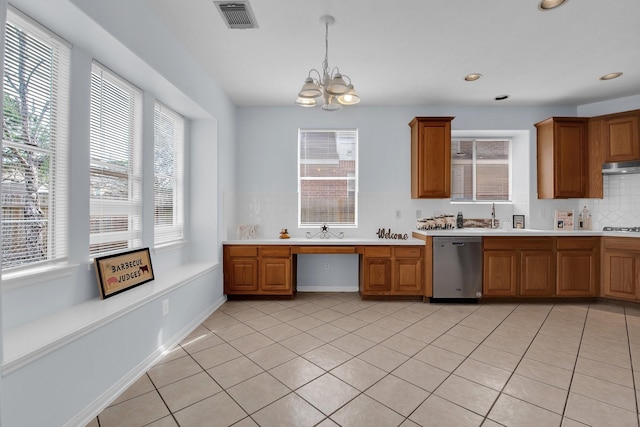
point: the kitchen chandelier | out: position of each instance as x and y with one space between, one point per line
328 83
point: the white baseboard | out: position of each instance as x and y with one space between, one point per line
90 412
320 288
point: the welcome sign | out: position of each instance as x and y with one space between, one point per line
117 273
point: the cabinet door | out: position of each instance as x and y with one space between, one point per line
241 276
376 275
275 275
431 157
500 273
570 142
576 273
620 275
595 150
536 273
622 139
408 276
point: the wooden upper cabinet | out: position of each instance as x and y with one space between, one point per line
595 158
622 136
431 157
562 157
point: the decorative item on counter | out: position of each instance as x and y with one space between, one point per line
426 224
284 234
584 219
383 233
247 231
449 222
518 221
459 220
440 222
563 220
324 233
479 222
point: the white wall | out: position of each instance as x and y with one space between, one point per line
70 383
266 165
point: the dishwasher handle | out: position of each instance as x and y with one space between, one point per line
457 243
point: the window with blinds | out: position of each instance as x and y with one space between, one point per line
327 178
480 170
168 135
115 164
34 144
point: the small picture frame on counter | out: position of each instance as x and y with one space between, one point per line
563 220
518 221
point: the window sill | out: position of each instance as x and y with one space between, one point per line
166 247
27 343
32 276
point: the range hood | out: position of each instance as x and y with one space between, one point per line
621 168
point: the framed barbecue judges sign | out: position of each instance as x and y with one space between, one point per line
119 272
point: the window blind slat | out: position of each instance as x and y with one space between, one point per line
115 173
168 175
34 156
327 177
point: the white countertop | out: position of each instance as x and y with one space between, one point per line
347 241
521 232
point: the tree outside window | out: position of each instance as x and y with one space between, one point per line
35 96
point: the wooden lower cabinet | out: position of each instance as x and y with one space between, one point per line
392 271
518 266
541 266
258 270
578 273
536 273
621 268
500 273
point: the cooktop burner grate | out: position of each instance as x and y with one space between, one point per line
627 229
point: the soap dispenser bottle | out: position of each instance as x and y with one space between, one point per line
459 220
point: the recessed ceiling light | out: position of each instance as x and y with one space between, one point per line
472 77
610 76
501 97
551 4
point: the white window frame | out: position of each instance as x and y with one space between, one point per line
132 207
474 162
352 181
173 233
57 208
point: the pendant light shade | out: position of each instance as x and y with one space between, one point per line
335 88
349 98
337 85
310 89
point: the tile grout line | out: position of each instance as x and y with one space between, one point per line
633 377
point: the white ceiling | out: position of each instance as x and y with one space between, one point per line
417 52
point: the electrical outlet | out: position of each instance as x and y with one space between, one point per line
398 213
165 307
418 213
326 265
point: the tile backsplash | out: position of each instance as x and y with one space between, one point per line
621 203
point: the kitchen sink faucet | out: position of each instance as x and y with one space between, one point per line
493 215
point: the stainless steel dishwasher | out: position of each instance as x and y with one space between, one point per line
457 268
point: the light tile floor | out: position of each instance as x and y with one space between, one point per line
331 359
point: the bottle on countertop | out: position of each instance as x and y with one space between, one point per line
584 219
459 220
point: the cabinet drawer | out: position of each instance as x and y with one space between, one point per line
242 251
576 243
622 243
515 243
377 251
408 252
275 251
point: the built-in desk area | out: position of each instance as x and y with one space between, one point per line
387 268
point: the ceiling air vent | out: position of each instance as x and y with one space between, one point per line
237 15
